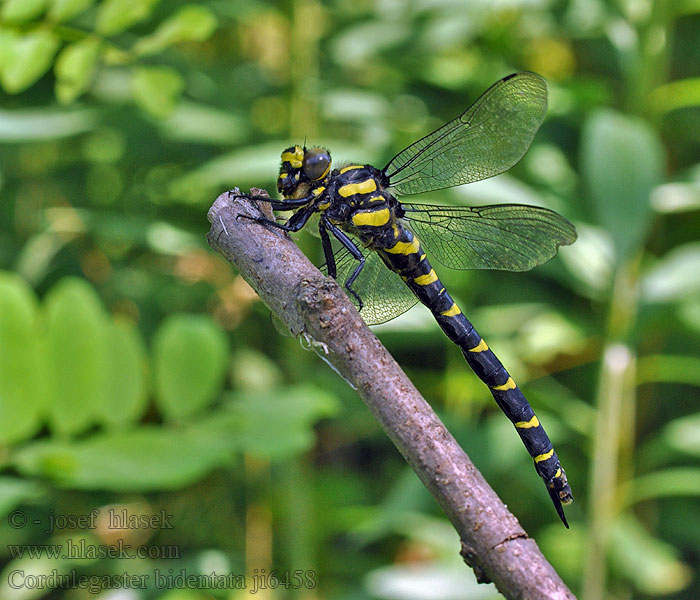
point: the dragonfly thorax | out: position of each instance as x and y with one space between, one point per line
355 188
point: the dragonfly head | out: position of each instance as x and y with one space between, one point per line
301 167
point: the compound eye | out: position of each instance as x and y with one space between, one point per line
317 161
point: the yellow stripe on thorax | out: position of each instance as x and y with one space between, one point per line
372 218
452 311
481 347
426 279
508 385
543 457
349 168
364 187
532 423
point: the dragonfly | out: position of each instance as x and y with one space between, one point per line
382 247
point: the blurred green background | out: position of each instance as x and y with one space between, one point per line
138 372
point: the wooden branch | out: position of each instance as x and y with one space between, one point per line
310 304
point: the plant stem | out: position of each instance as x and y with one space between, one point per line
613 438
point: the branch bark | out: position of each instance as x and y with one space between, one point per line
310 304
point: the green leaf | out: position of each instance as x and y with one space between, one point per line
676 197
15 491
36 569
190 355
63 10
75 68
20 361
276 424
681 481
157 89
143 459
254 372
204 124
21 11
685 7
25 58
674 277
115 16
254 162
362 41
683 434
669 368
77 355
650 564
689 316
44 124
622 161
676 94
126 389
193 22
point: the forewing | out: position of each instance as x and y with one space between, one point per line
511 237
384 295
488 138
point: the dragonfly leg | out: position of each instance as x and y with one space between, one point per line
295 223
327 249
356 254
286 204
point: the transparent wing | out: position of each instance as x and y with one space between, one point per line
511 237
384 295
488 138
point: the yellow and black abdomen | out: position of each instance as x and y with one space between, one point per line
406 257
361 206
